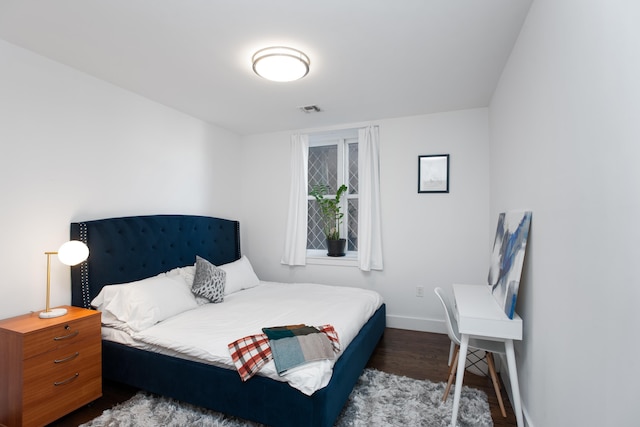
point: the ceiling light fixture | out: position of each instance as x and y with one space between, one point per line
280 64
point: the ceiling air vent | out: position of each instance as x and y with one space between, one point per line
310 109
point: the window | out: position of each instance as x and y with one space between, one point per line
349 158
333 161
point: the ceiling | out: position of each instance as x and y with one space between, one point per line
370 59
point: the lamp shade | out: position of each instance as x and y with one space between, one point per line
73 252
280 64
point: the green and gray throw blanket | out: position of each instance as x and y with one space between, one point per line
288 346
295 345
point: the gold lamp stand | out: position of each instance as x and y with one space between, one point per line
70 253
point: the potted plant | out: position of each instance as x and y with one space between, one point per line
331 217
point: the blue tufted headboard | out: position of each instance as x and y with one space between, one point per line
131 248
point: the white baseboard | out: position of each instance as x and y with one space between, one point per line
416 324
504 374
527 418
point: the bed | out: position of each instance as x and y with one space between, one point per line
128 249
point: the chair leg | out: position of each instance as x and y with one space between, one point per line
496 385
452 373
452 349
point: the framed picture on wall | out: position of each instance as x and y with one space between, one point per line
433 173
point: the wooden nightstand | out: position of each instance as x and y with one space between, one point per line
49 367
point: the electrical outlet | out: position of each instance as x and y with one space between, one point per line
419 291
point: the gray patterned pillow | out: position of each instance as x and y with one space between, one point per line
209 281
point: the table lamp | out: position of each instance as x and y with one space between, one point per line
71 253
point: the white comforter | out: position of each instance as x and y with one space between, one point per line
204 333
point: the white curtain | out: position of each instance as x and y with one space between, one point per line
369 227
295 246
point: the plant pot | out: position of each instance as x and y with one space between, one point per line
336 247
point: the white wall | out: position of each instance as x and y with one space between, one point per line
565 142
429 239
76 148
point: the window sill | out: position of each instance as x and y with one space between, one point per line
319 257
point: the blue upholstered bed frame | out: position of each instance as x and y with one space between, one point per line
131 248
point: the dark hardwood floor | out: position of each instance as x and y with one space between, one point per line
419 355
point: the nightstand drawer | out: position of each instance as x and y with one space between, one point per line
54 370
61 335
62 380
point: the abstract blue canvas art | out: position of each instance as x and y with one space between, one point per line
507 258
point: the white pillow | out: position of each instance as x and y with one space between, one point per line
187 274
146 302
240 275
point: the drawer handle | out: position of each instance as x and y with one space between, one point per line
67 381
66 337
66 359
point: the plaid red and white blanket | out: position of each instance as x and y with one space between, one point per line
251 353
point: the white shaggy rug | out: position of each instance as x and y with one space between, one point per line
378 399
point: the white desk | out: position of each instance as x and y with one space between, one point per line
479 315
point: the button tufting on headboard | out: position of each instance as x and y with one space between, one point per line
132 248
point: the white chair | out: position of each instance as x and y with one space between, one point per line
489 347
